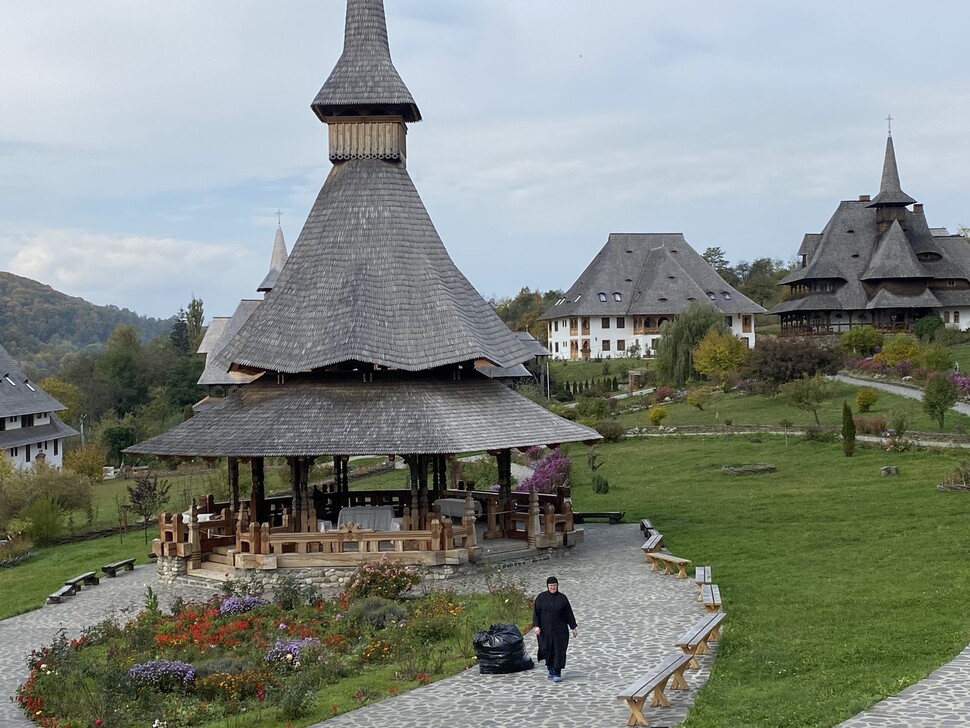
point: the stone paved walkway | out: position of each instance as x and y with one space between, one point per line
628 620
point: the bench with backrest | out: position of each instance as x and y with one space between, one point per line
695 640
667 562
655 681
111 570
702 576
646 527
57 597
89 578
651 545
711 596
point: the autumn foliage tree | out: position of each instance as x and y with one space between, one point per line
147 497
679 338
719 354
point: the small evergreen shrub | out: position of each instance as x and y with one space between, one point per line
866 397
377 612
600 484
657 415
611 430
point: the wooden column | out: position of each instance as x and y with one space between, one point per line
504 460
299 475
234 484
341 480
439 475
257 507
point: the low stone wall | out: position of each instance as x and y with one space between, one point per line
171 568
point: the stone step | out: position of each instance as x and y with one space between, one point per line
217 558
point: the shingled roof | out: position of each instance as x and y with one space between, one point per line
276 262
364 79
890 191
20 396
646 273
220 332
340 415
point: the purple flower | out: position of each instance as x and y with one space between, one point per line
164 675
238 605
550 472
289 651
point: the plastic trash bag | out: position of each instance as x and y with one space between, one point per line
500 649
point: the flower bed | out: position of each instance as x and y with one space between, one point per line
209 663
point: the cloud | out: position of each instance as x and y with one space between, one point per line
153 276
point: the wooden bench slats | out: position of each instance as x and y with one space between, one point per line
655 682
57 597
111 570
695 640
89 578
653 543
668 561
646 526
702 576
711 596
614 517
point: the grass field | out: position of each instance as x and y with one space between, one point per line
841 586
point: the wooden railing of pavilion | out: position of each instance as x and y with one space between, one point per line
427 536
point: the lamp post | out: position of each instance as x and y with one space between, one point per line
81 420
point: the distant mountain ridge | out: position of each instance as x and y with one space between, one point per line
39 325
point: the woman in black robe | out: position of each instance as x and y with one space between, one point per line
553 619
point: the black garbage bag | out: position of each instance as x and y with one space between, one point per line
500 649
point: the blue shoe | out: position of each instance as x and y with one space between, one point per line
557 678
550 675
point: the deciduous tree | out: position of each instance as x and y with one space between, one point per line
147 497
806 394
719 354
675 362
939 394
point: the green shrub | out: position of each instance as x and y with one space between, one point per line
45 520
289 592
611 430
600 484
937 356
848 430
902 347
385 578
861 341
927 327
657 415
866 397
377 612
698 398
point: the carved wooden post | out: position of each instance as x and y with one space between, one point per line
504 461
264 539
493 524
257 510
468 520
195 547
436 533
550 519
532 529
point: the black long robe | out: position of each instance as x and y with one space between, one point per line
553 615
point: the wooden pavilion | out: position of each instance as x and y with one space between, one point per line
367 344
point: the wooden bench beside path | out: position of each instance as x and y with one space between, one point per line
711 596
702 576
646 527
111 570
668 562
652 545
695 640
57 597
89 578
614 517
655 681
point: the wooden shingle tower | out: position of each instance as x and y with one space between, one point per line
368 341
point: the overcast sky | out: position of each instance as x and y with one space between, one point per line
145 146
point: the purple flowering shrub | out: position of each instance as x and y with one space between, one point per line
962 382
289 652
240 604
550 472
386 578
162 675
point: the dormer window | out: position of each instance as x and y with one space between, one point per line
710 295
617 296
727 296
602 297
8 380
29 386
662 299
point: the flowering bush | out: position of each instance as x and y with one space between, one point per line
962 381
870 425
664 393
240 604
289 652
550 473
385 578
657 415
162 675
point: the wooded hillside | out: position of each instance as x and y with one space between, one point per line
39 325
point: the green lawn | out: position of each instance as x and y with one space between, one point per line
579 370
26 587
761 410
841 586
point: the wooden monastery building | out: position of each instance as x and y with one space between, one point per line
30 431
366 344
877 263
635 283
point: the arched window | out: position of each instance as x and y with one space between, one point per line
956 317
603 297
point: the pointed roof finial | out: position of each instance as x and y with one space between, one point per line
890 192
279 217
276 261
364 81
889 120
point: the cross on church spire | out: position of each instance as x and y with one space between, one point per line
279 216
889 120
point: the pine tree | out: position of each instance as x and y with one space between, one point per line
848 430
